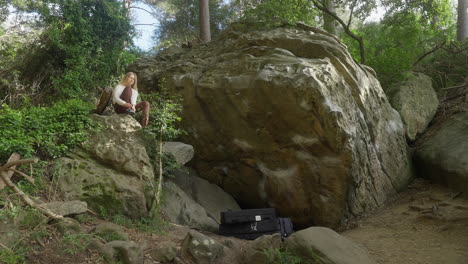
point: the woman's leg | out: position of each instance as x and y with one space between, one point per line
144 107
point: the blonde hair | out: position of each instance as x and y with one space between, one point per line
125 81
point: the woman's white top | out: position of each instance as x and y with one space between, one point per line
118 92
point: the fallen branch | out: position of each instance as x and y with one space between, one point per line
13 157
453 87
5 247
4 174
28 178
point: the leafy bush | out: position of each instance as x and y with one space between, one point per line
392 47
278 256
45 131
447 65
76 47
278 12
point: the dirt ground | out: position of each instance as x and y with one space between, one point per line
427 224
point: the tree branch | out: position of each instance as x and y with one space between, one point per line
140 8
144 24
18 162
345 27
351 13
429 52
28 178
4 175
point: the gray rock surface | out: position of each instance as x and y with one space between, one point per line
182 153
257 252
203 249
443 156
110 231
128 252
416 101
68 226
285 118
210 196
165 251
67 208
323 245
182 209
110 170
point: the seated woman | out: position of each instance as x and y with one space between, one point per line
125 96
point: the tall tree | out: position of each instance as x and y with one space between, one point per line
462 21
324 7
204 16
329 23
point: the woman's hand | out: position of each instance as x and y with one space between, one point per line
130 106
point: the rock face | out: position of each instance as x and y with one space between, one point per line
285 118
416 101
323 245
210 196
110 170
444 156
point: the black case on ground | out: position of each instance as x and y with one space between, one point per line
253 223
260 227
248 216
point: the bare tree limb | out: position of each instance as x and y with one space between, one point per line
429 52
351 13
4 175
13 157
320 6
28 178
144 24
5 247
18 162
140 8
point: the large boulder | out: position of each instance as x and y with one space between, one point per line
210 196
180 208
110 170
443 156
285 118
323 245
416 101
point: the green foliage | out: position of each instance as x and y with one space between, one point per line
80 46
45 131
393 46
278 12
30 218
181 21
278 256
74 243
11 257
155 225
164 115
446 66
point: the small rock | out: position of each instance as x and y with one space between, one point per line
68 226
165 252
128 252
110 232
67 208
182 153
203 249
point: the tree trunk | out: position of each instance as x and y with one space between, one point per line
462 23
329 23
127 3
205 34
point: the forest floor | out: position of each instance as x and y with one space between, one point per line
426 224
